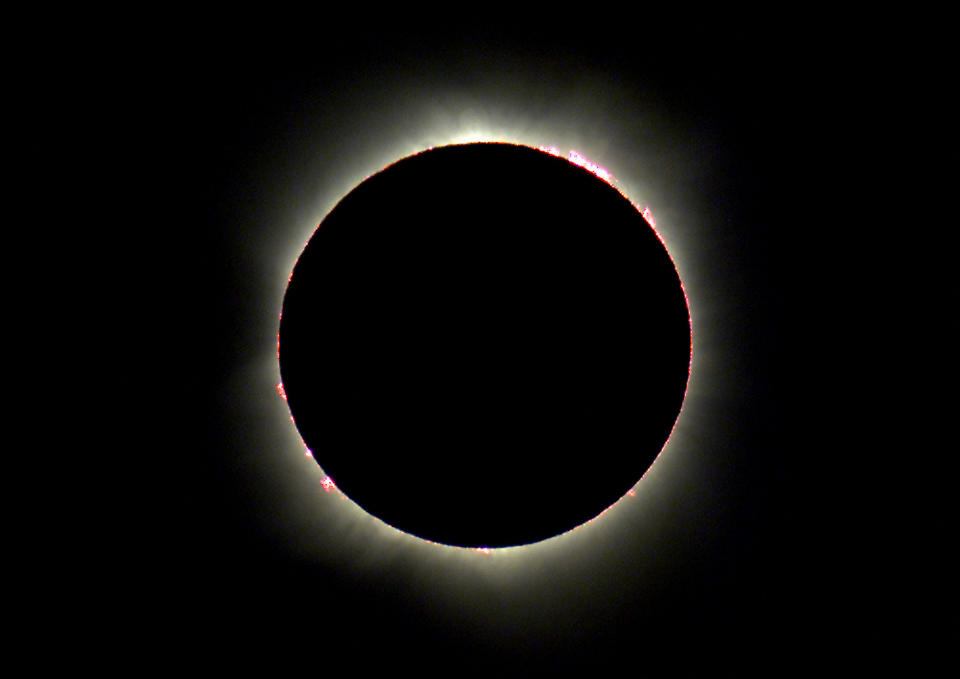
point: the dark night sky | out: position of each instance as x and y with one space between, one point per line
228 133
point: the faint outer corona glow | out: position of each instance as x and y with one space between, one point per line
575 157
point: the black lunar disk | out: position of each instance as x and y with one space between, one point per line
484 345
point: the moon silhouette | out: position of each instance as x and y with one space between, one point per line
484 345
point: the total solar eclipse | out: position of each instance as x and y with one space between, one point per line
484 345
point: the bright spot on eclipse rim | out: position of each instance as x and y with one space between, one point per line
327 484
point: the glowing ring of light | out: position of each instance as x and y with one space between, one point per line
324 526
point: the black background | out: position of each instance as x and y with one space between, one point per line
189 573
